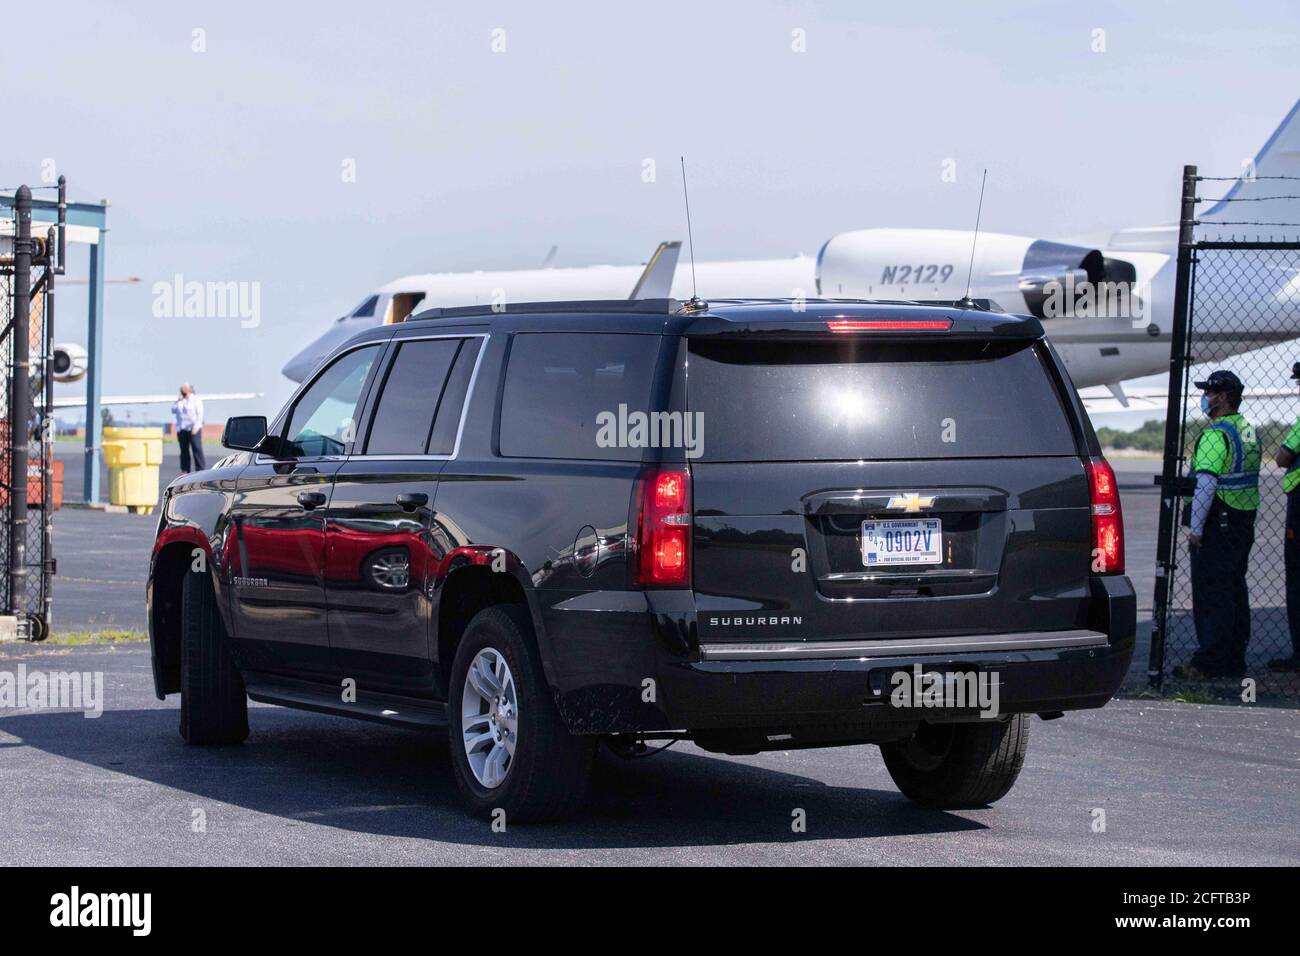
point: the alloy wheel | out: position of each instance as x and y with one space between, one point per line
489 717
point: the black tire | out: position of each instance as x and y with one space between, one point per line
959 766
548 773
214 706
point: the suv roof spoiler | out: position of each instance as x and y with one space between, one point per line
819 318
801 318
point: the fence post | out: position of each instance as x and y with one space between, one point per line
19 403
1170 476
53 267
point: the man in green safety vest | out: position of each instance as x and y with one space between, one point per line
1221 519
1288 457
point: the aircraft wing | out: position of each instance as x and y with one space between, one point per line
79 401
1099 399
656 281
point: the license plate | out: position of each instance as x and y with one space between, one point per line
902 541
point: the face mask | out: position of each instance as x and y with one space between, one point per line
1205 404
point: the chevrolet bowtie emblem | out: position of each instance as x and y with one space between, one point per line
910 502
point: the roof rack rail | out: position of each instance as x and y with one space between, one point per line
639 306
979 305
779 300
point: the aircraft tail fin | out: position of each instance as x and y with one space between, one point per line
1280 156
656 281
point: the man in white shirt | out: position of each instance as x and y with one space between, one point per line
188 413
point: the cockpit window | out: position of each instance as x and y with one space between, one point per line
366 309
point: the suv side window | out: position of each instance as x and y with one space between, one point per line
321 422
557 383
410 397
446 426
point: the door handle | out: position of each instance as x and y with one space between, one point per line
311 499
410 500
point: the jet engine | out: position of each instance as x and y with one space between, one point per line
69 363
1044 278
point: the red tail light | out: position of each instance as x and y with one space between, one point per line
1107 518
889 325
663 530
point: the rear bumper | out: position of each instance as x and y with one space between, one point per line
962 644
633 666
724 694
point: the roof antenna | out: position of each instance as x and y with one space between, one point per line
966 302
695 304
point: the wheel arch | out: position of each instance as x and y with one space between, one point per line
174 555
471 585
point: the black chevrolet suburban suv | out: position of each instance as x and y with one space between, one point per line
752 524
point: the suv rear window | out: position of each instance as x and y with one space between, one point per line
557 383
865 400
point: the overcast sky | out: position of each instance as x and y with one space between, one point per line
228 164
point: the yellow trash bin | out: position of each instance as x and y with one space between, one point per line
133 456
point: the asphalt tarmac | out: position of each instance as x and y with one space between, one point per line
103 557
1174 784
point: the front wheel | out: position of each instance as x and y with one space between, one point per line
959 766
510 750
214 707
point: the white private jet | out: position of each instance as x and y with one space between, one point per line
1103 341
658 278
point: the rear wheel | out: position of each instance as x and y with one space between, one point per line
510 750
214 706
959 766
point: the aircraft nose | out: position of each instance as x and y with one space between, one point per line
305 362
297 368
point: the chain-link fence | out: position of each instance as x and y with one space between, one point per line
1235 301
27 265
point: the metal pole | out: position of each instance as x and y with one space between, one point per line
1170 477
63 220
94 345
19 396
53 267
